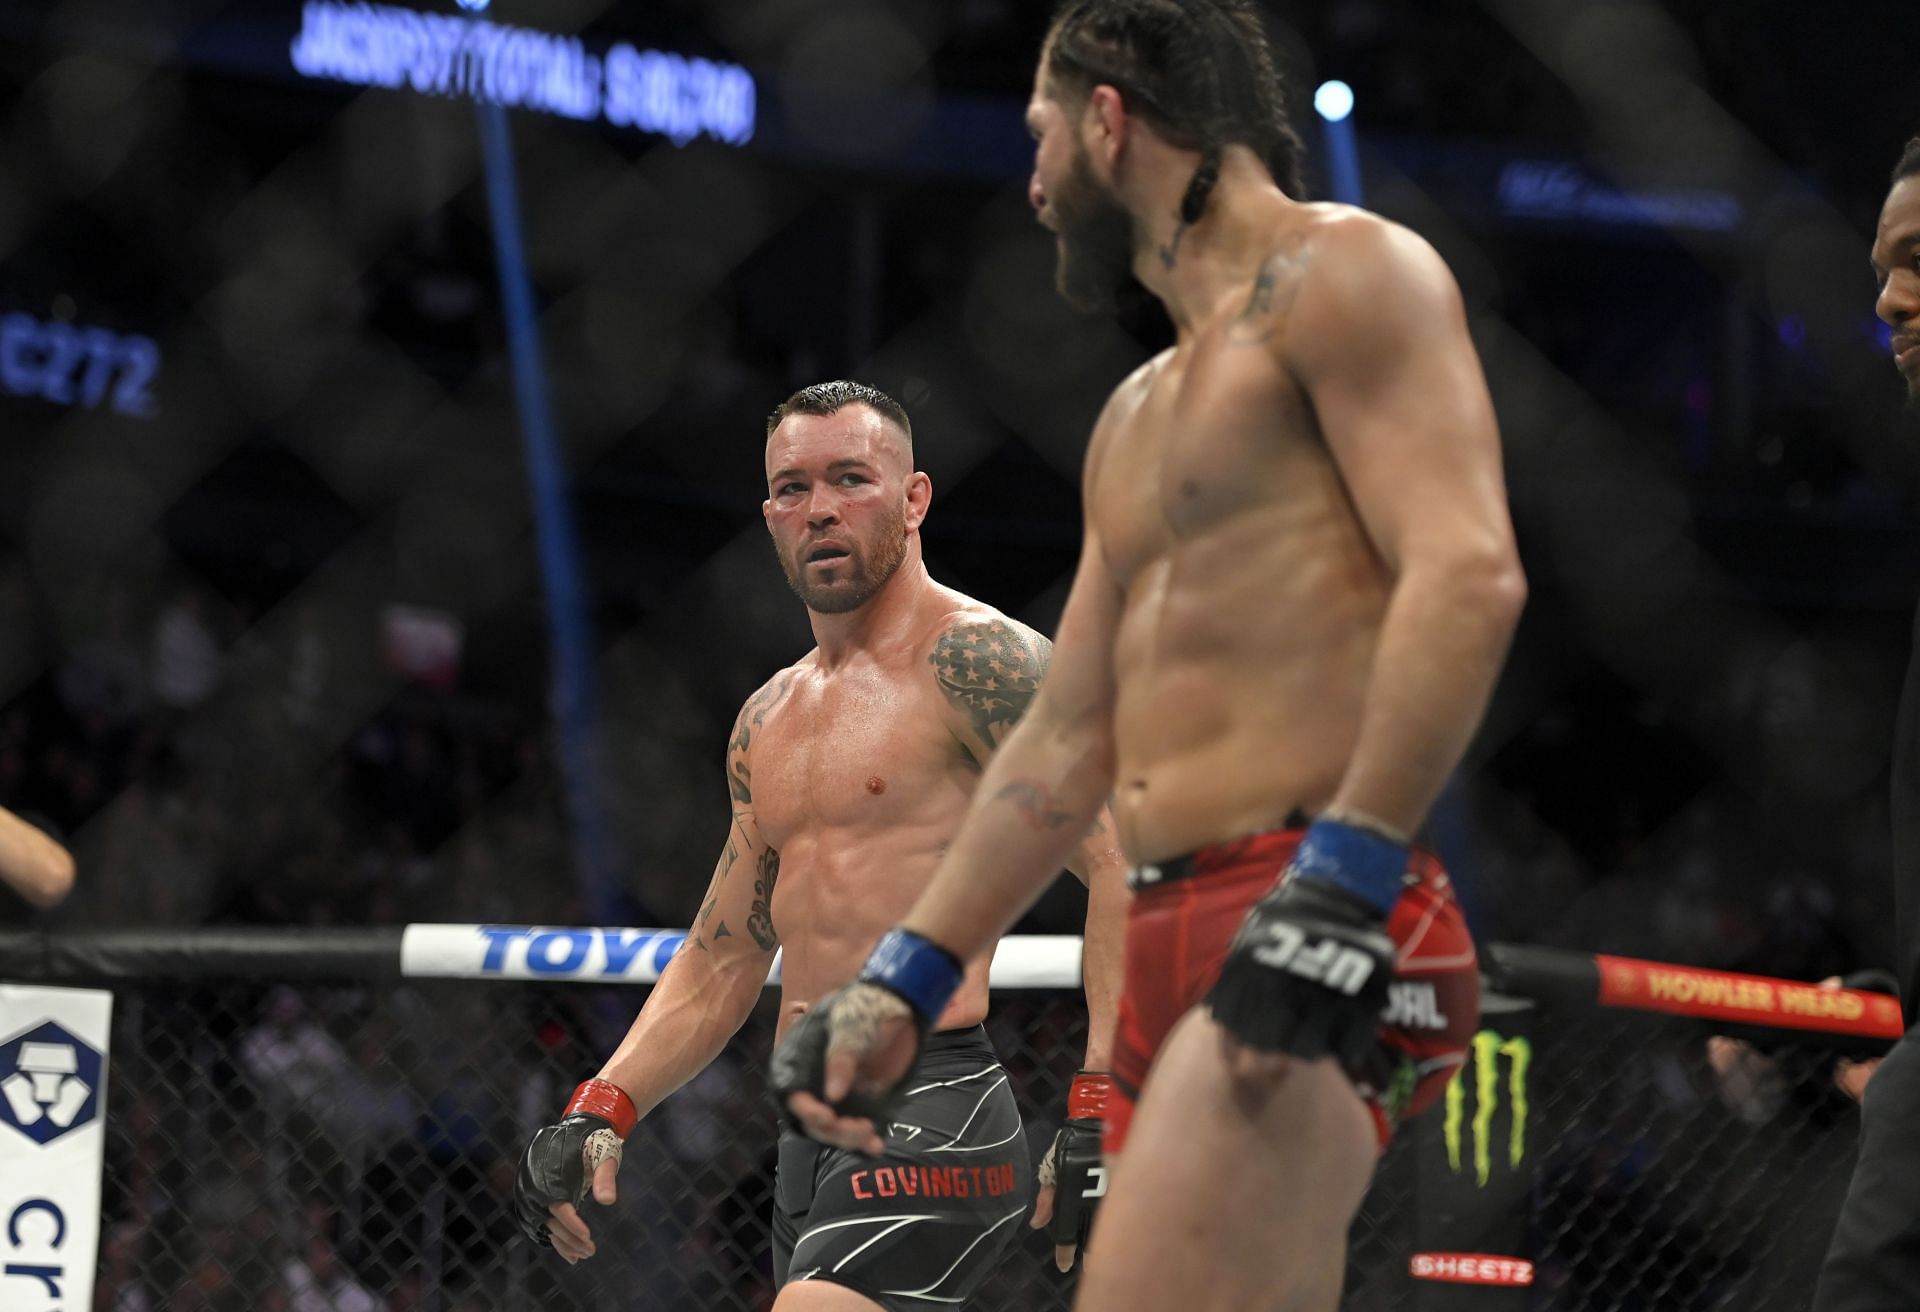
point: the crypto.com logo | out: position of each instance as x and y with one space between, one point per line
49 1082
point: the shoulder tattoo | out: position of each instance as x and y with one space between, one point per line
1271 296
989 669
752 716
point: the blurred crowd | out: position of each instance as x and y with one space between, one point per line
1600 823
207 695
190 767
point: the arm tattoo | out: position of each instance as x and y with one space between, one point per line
1035 803
752 716
1272 297
990 670
760 918
697 939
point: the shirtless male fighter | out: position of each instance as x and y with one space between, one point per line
849 772
1296 590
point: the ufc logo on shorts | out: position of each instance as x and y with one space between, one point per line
1096 1183
1329 961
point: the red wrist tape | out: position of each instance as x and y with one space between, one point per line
608 1101
1087 1096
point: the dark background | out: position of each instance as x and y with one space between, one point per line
277 647
1710 471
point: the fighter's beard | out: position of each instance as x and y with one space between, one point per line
873 573
1097 243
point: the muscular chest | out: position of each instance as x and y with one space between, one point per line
1218 430
852 750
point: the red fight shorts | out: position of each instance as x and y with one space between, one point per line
1185 914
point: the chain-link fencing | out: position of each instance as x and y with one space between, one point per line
352 1145
265 547
276 630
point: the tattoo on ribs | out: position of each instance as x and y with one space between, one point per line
760 918
1035 804
752 716
990 670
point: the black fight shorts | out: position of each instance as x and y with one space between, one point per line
1874 1263
923 1226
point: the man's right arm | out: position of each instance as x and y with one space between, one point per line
709 988
1041 789
703 996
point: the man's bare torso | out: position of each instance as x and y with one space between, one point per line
860 774
1253 597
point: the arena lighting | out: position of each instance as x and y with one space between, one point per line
371 45
1333 101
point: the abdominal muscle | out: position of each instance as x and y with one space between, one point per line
1242 660
839 890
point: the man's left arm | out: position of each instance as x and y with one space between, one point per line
1378 339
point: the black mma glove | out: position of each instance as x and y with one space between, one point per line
1073 1165
559 1162
906 975
1308 972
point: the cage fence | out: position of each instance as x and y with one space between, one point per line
320 1134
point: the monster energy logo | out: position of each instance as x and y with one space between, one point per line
1488 1048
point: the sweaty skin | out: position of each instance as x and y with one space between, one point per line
860 773
1298 579
848 773
1255 590
1252 598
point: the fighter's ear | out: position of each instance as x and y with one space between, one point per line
919 497
1106 124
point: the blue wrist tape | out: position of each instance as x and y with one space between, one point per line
1363 863
918 969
